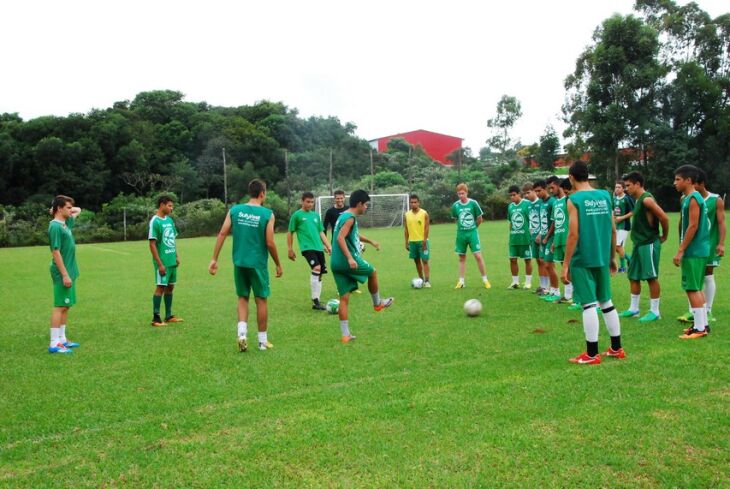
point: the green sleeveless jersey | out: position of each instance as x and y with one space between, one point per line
699 247
622 206
248 227
643 231
546 215
560 217
352 240
534 217
307 225
61 238
711 203
164 232
595 220
519 233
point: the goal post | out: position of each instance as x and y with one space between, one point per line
384 210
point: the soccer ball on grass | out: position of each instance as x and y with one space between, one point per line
417 283
472 307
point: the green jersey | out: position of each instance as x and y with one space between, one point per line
643 230
352 240
163 232
699 247
711 203
546 215
519 232
560 218
534 217
466 215
61 238
248 227
622 206
307 225
595 227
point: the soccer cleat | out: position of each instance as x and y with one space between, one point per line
585 359
265 346
173 319
540 291
687 317
487 285
513 286
621 270
459 285
426 284
242 344
318 306
384 303
527 286
575 307
157 321
70 344
688 330
358 291
347 339
693 334
628 313
59 348
620 353
550 298
649 317
565 300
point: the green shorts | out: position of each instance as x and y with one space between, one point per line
559 253
535 249
644 262
170 277
545 252
693 273
251 278
590 284
520 251
469 239
64 296
348 280
416 251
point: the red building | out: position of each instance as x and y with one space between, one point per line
437 146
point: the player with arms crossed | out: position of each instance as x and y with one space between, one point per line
468 217
590 260
252 227
64 270
623 206
416 227
333 213
534 219
519 237
165 259
312 243
560 219
547 229
348 267
644 263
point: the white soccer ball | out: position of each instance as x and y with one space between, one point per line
472 307
332 306
362 247
417 283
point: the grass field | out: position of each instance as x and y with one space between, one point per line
425 398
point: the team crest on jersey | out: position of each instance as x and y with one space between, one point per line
559 217
543 220
534 220
168 237
518 221
466 219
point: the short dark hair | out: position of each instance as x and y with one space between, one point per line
553 179
256 187
539 183
513 189
164 199
620 182
701 176
634 177
413 196
307 195
60 201
339 192
687 171
579 171
565 184
359 197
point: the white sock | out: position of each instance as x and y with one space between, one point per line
376 298
634 307
700 321
345 327
555 290
62 334
654 306
313 281
484 278
611 318
242 328
710 290
319 287
590 323
54 337
528 281
515 279
461 280
263 337
569 291
544 282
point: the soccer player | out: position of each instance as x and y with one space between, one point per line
252 227
348 267
165 259
589 261
534 219
644 262
333 213
416 227
312 243
716 214
623 206
694 248
519 237
468 217
560 220
547 229
64 270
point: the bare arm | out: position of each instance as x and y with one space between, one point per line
571 241
271 245
480 220
720 226
289 245
75 211
405 226
426 229
58 260
625 216
370 241
659 213
325 242
222 235
612 266
156 257
689 233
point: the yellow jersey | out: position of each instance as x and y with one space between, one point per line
416 224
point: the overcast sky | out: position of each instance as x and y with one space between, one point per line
387 66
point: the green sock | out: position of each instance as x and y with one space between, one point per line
156 301
623 262
168 305
628 257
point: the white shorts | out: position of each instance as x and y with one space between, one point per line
621 235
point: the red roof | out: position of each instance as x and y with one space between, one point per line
437 146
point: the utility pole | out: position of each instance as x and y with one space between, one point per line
372 172
225 180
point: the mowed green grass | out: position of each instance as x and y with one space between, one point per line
426 397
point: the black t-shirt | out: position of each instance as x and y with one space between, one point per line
331 216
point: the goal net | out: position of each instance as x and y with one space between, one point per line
384 210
